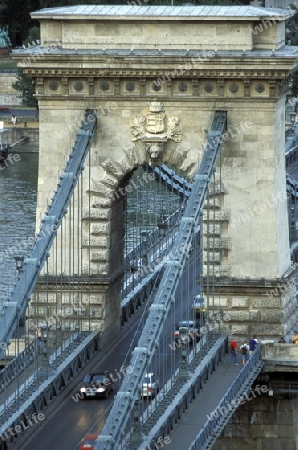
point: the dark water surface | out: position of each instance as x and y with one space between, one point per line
18 191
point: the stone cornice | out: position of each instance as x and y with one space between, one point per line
137 58
153 73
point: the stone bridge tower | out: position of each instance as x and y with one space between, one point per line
156 75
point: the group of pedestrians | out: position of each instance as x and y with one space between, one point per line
246 350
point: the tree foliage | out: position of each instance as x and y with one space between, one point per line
25 85
16 14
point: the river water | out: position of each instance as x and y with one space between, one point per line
18 190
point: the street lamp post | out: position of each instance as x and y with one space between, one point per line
162 229
292 223
199 313
45 350
293 121
183 373
144 246
19 263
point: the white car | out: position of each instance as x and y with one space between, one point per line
150 386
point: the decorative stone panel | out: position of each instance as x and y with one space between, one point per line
216 229
98 241
182 87
211 257
98 213
104 86
78 87
264 302
99 256
239 302
213 203
219 216
100 228
208 88
130 87
217 243
221 270
239 316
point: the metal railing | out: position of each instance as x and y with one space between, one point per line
189 390
14 308
229 403
38 393
17 365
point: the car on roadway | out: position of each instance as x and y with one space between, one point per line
150 386
97 384
4 108
190 331
88 442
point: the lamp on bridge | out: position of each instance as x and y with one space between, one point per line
45 338
144 246
162 226
199 310
162 229
19 263
293 121
292 223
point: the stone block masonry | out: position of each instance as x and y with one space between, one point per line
264 423
156 81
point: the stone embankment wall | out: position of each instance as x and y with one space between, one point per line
8 95
264 423
33 134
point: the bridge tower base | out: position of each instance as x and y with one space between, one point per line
267 423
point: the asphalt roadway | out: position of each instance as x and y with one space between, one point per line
67 421
18 112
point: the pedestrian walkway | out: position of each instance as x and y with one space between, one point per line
197 414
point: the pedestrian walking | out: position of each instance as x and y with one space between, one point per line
134 265
38 337
139 263
234 351
13 119
244 352
131 266
253 342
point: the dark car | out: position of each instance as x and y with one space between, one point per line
191 329
97 384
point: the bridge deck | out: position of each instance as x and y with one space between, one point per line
196 416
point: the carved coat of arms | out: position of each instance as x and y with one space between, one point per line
155 124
